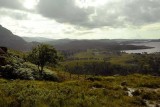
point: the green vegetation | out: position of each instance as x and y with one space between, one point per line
16 67
90 54
92 78
42 55
123 59
91 92
94 73
96 62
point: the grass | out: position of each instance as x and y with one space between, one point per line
100 92
78 91
90 54
123 59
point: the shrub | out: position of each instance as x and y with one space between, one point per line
94 79
6 71
97 85
17 69
50 76
24 73
150 95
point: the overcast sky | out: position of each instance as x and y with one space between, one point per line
82 19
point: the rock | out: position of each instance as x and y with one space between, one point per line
157 105
124 83
125 88
137 92
129 91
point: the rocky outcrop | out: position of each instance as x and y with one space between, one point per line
3 53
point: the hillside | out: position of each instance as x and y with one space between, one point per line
112 91
36 39
8 39
60 41
101 44
81 82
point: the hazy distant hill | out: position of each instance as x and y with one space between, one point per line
102 44
60 41
36 39
47 40
8 39
156 40
85 44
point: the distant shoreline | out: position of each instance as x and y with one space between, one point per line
149 47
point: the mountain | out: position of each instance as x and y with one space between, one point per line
36 39
156 40
8 39
47 40
101 44
60 41
84 44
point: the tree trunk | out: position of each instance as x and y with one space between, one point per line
41 71
38 68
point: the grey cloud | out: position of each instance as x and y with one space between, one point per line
128 12
140 12
85 32
64 11
18 15
113 14
13 4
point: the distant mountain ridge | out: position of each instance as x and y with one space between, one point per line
36 39
101 44
8 39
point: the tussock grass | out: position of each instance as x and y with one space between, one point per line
104 91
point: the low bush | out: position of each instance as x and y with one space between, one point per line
17 68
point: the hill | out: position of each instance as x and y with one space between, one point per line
16 66
60 41
156 40
101 44
36 39
8 39
113 91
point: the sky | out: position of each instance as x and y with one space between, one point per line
82 19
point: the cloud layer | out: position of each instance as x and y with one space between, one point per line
114 13
13 4
85 18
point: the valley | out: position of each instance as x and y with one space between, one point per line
89 73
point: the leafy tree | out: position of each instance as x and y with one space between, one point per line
43 54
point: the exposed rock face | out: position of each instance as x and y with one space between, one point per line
3 53
3 50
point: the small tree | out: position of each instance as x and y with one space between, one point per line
43 54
